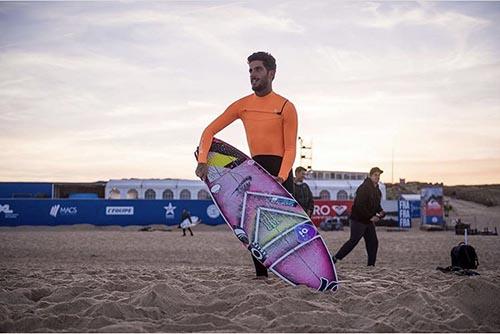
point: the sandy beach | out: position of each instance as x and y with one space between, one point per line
88 279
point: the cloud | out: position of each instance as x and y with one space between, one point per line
132 85
382 16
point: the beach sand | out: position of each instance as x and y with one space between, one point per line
87 279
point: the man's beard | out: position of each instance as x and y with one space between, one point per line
262 85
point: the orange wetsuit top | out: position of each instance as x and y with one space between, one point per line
270 124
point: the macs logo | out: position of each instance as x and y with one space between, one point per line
119 211
58 209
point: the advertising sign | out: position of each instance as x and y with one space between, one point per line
432 210
324 209
16 212
404 213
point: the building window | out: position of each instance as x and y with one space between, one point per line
185 194
203 194
361 177
168 194
338 176
346 176
324 194
132 194
332 176
342 195
150 194
114 194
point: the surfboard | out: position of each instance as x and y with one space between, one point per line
266 218
186 223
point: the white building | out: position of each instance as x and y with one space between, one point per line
337 185
333 185
156 189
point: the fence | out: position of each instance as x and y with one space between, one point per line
51 212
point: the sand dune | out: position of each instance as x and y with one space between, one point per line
121 280
479 216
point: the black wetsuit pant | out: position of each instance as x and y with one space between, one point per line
271 163
361 230
184 231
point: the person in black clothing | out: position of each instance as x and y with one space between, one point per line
366 211
185 215
302 193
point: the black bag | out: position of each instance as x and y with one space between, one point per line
464 256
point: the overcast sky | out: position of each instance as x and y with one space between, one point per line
99 90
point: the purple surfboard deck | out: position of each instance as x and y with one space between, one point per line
261 212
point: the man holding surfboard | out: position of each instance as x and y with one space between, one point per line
270 122
186 215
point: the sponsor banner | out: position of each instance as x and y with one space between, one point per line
415 209
404 213
119 211
57 209
432 210
324 209
169 211
16 212
213 212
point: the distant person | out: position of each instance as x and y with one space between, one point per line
366 211
302 193
270 122
186 215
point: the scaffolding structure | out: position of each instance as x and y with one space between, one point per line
305 153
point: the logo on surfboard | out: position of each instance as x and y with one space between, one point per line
304 232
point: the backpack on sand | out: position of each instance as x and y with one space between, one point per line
464 255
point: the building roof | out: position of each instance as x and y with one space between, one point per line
156 183
337 183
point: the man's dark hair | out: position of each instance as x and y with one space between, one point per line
300 169
266 58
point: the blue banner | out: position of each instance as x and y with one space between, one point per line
51 212
404 213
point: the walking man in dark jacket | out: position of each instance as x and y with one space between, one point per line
301 192
366 211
